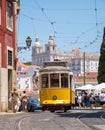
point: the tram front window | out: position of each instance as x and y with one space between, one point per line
54 80
64 80
45 81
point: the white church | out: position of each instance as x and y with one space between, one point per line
51 53
74 58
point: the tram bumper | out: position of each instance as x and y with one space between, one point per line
53 107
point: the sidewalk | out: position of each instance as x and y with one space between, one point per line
88 108
10 112
77 108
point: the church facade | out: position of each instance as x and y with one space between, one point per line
75 58
50 54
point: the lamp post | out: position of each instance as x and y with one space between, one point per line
28 44
84 67
19 48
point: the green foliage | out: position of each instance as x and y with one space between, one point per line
28 63
101 68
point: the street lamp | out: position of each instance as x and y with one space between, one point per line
28 44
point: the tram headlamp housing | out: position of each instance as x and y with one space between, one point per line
54 97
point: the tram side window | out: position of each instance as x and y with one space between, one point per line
64 80
45 81
54 80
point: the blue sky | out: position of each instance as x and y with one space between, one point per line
73 23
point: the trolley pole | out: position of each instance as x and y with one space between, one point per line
84 68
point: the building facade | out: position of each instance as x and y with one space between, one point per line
26 77
50 54
88 78
84 62
77 60
9 10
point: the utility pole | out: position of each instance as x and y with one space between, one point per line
84 67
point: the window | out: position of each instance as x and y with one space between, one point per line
64 80
45 81
19 69
9 58
0 12
54 80
9 16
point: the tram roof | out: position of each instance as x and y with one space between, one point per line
56 67
55 63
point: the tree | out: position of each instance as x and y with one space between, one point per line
28 63
101 67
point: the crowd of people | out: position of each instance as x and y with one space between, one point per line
18 101
88 100
82 100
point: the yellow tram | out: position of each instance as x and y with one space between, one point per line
56 86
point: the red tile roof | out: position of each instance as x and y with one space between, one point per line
89 77
26 67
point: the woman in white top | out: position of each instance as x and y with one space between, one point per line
79 100
24 100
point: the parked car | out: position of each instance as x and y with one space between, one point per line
33 104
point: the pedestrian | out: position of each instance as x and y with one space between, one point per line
24 101
92 101
20 99
14 99
83 100
79 100
102 99
88 100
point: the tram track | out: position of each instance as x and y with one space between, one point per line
19 121
79 120
84 119
93 120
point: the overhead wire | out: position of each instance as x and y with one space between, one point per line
96 15
52 23
44 13
96 26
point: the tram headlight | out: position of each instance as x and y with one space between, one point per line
54 97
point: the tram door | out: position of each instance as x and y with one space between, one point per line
9 86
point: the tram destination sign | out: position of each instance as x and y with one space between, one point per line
55 63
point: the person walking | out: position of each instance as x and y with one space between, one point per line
102 99
14 99
79 100
92 101
24 101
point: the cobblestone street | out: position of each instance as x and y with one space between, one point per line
42 120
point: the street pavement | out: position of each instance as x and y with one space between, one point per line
41 119
9 119
77 108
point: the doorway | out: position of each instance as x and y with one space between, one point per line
9 86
